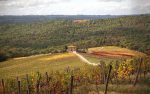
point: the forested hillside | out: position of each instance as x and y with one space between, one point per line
53 36
36 18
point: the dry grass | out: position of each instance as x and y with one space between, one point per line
113 51
42 63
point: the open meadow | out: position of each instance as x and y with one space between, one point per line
40 63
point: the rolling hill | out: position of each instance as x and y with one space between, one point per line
42 63
60 61
53 36
36 18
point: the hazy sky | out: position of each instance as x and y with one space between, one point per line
74 7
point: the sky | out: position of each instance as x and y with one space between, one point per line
74 7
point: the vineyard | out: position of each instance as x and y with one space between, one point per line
110 56
130 73
42 63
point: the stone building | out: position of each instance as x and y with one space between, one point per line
71 48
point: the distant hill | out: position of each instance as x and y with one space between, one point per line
53 36
36 18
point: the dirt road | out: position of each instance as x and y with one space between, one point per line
84 59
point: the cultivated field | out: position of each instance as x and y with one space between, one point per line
113 51
88 79
42 63
53 62
108 54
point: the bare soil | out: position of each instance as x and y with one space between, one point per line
113 54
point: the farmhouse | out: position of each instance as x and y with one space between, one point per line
71 48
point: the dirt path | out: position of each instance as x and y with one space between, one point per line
84 59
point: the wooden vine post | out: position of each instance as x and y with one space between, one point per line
71 84
37 87
47 78
103 75
19 87
3 86
28 86
138 72
107 80
97 88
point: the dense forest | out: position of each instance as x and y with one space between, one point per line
52 36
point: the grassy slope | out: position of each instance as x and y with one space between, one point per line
42 63
93 59
112 49
21 66
47 63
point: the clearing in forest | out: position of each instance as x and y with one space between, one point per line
113 51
